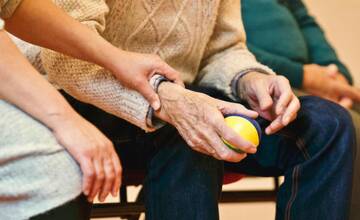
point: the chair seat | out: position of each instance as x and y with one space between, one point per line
136 177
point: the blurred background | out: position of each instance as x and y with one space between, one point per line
341 21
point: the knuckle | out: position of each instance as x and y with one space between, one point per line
111 176
101 176
224 155
137 82
89 174
118 172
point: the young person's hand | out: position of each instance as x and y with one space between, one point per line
134 71
199 120
271 96
328 83
93 151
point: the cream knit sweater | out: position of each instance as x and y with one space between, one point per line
7 7
204 40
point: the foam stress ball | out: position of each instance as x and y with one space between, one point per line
245 127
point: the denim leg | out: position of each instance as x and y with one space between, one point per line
315 154
181 183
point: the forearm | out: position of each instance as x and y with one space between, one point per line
52 28
23 86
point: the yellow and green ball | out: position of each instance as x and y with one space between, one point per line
245 127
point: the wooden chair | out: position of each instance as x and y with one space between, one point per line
132 210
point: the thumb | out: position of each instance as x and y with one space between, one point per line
227 108
170 73
264 99
150 95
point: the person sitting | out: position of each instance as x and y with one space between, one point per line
44 143
292 43
184 156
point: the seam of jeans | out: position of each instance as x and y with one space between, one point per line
294 191
301 145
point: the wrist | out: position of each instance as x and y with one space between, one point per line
245 80
169 94
55 120
109 56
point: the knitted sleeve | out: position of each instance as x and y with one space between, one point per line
226 55
7 7
91 83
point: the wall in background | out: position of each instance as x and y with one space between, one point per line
341 21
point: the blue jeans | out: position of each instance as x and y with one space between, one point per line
314 153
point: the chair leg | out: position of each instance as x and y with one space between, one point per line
140 200
276 184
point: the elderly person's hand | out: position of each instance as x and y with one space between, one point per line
199 119
93 151
271 96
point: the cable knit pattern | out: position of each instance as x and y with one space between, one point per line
7 7
204 40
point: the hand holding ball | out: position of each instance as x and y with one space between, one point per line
244 126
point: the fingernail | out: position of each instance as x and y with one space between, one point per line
156 105
286 120
253 149
268 131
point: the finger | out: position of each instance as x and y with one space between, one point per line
275 126
264 99
233 108
346 102
202 145
233 138
169 73
118 174
349 91
88 171
150 95
283 101
291 111
222 151
99 178
283 94
109 179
